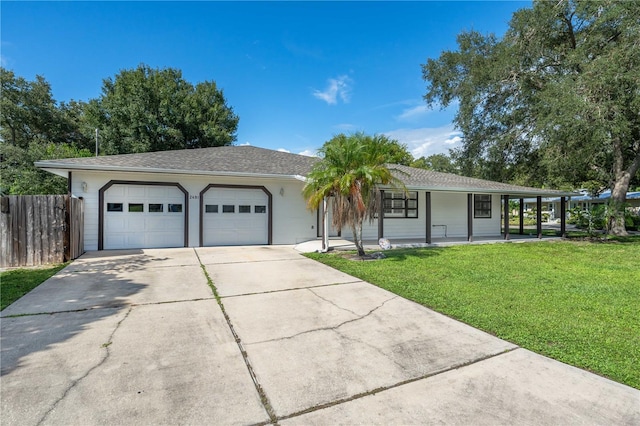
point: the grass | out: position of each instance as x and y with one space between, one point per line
16 283
577 302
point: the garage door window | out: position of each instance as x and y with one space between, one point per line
136 207
260 209
174 208
211 208
114 207
156 208
228 209
244 209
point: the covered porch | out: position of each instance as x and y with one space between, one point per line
346 243
436 208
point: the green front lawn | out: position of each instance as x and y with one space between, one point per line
18 282
577 302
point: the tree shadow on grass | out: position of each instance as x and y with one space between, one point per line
397 255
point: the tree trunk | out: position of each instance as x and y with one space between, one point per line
357 235
615 221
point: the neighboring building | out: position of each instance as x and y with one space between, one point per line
242 195
551 205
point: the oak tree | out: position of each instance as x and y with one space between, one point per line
554 102
146 109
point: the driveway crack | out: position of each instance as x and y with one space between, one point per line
398 384
261 393
85 375
332 303
332 328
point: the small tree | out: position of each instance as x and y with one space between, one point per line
351 168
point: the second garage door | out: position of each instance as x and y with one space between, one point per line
235 216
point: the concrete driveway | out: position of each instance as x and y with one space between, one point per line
138 337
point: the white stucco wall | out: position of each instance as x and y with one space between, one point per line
292 222
447 208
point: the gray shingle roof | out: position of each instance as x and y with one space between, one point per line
223 159
428 179
251 160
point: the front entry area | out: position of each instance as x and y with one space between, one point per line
234 216
143 216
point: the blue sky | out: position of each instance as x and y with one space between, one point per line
296 73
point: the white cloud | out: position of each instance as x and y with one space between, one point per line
345 127
427 141
414 113
283 150
454 140
416 110
309 153
336 88
245 144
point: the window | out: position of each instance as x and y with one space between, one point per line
174 208
482 206
211 208
156 208
228 209
114 207
244 209
136 207
259 209
400 204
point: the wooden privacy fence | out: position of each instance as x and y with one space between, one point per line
40 229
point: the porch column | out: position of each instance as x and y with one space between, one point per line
381 214
539 215
563 217
428 217
470 217
505 199
521 212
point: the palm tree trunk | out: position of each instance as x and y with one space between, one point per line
356 226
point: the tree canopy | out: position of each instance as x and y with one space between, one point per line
140 110
351 167
436 162
146 109
33 126
554 102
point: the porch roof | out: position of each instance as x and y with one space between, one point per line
414 178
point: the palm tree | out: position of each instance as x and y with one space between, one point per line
350 170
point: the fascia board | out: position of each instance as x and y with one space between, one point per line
514 193
63 168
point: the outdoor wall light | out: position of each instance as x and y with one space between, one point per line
84 186
282 192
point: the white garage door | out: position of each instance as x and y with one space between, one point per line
143 216
235 217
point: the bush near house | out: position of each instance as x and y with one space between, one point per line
596 218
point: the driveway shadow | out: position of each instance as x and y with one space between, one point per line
67 304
